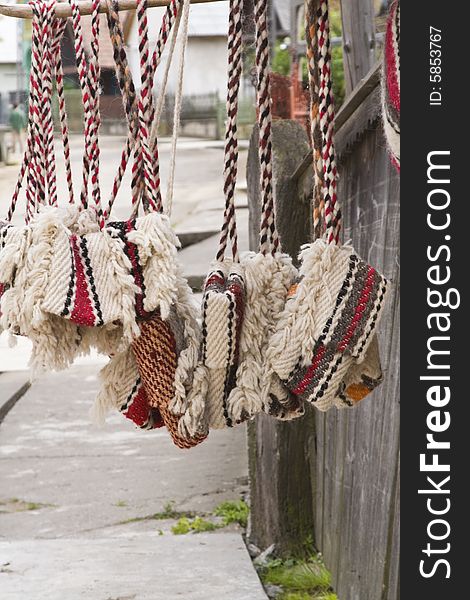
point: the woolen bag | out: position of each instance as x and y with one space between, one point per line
243 295
223 302
324 348
391 84
268 274
83 279
148 380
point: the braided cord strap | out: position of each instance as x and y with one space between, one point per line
315 132
142 155
94 125
269 240
50 59
83 78
47 120
30 160
60 27
322 48
235 66
170 16
36 81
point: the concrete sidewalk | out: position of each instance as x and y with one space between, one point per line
79 505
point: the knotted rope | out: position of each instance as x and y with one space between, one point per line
269 240
169 19
321 48
235 66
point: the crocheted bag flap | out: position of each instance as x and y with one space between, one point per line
348 298
223 312
156 356
101 277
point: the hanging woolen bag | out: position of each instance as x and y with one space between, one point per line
324 349
391 84
122 387
268 274
84 277
166 351
240 306
223 302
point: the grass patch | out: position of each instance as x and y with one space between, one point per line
196 525
16 505
233 512
121 504
168 513
299 579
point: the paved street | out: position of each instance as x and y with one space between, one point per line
79 504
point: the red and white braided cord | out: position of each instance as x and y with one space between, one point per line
269 240
37 168
60 26
142 155
47 120
168 21
235 65
94 87
82 70
327 116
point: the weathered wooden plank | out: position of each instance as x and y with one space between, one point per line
358 113
352 460
358 40
363 480
282 455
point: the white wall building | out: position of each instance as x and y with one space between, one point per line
206 53
8 53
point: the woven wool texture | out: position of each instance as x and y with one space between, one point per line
391 84
257 387
223 311
156 356
327 326
122 385
64 272
122 389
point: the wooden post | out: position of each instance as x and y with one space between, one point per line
358 40
282 455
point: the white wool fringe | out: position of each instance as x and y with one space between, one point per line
118 378
157 246
300 323
267 279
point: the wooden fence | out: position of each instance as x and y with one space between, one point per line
334 479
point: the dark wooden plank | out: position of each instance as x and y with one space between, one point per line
282 456
360 93
359 112
358 40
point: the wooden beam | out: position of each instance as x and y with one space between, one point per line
367 87
63 9
358 40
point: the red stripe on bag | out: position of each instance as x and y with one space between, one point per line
82 313
361 306
299 390
140 413
137 274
